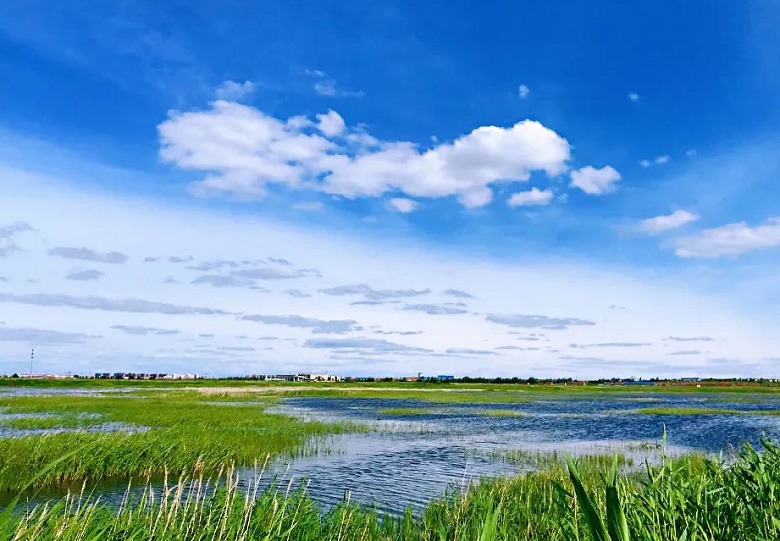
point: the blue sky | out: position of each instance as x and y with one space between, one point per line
510 149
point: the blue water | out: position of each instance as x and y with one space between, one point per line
408 460
411 459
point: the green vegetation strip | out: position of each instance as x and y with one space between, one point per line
438 396
182 431
682 499
702 411
407 411
499 413
506 387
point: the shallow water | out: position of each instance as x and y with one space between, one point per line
434 452
407 460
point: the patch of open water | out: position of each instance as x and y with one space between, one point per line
407 460
449 445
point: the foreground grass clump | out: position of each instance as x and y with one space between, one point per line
683 499
545 461
176 431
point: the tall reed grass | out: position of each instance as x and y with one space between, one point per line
682 499
177 431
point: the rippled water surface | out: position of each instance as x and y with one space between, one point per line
409 459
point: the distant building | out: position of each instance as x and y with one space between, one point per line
143 375
637 382
300 377
283 377
445 378
319 377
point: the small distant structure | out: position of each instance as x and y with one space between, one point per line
411 379
300 377
443 377
319 377
637 382
281 377
44 376
144 376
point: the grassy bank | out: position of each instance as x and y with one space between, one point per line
158 432
683 499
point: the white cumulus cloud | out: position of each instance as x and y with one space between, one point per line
730 240
242 150
595 181
401 204
233 91
534 196
659 224
331 124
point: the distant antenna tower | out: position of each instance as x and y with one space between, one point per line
32 358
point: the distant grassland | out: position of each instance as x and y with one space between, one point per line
399 386
186 431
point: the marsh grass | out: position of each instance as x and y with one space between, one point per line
185 431
688 498
409 411
702 411
453 396
42 422
737 399
499 413
533 460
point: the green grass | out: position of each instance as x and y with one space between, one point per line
704 387
185 431
702 411
455 396
68 420
499 413
407 411
546 460
737 399
685 499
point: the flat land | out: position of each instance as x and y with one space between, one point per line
145 431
